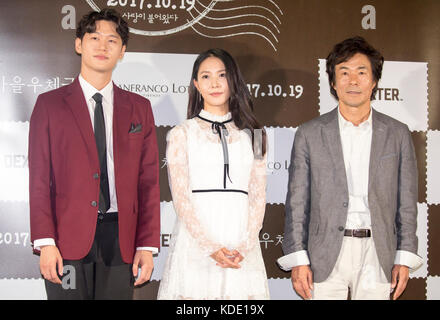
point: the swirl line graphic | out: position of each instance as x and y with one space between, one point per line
234 34
244 7
248 17
259 18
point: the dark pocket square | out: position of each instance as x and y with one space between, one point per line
134 129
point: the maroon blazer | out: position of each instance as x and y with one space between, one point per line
63 162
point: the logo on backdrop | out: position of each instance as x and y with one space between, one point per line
280 141
14 184
162 78
207 18
15 246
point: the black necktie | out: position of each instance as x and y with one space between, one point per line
104 193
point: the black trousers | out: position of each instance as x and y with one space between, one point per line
101 275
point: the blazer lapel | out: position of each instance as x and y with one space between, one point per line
77 104
331 135
121 125
377 145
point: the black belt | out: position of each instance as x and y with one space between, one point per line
107 217
219 190
357 233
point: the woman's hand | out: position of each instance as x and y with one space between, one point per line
227 259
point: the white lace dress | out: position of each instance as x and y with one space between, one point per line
212 214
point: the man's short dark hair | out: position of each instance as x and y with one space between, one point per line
345 50
88 23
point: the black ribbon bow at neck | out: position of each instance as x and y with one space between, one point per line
220 129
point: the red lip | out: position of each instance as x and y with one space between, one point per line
216 94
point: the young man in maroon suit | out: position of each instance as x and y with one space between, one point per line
93 171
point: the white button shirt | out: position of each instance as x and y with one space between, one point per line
356 148
107 109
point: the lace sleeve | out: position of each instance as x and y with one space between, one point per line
179 181
257 205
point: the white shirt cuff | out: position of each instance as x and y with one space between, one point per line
43 242
294 259
51 242
409 259
152 249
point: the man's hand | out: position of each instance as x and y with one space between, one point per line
302 280
227 259
50 258
400 276
144 260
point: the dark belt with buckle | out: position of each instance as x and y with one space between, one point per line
358 233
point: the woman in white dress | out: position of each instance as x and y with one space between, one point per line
217 172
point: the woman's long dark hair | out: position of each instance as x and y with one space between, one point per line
240 103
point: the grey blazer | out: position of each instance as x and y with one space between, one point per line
317 196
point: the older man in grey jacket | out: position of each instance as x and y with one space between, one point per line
351 207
